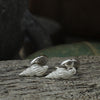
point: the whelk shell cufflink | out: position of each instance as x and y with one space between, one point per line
38 67
65 70
61 73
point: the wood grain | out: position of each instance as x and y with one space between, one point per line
85 85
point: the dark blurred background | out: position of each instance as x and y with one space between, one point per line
29 26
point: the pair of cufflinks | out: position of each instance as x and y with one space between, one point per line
39 67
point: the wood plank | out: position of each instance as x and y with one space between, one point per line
85 85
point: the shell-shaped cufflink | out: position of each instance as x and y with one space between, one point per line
61 73
38 67
65 70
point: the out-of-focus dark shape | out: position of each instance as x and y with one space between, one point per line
79 17
11 37
18 25
39 33
46 8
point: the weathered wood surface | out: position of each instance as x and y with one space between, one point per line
85 85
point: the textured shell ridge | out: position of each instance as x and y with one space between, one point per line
34 70
55 74
52 75
41 71
28 72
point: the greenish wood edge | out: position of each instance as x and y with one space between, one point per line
66 50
